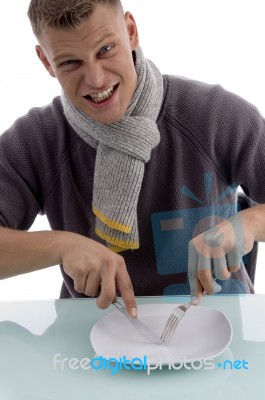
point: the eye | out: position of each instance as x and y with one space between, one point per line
69 65
68 62
105 49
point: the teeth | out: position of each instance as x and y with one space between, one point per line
98 97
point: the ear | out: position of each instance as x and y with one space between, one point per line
132 30
44 60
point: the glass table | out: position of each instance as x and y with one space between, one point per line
32 333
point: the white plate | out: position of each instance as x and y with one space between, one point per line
202 334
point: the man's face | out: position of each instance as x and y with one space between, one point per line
94 63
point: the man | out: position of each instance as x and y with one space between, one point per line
120 161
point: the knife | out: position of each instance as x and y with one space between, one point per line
138 325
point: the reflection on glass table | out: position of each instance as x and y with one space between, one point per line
45 351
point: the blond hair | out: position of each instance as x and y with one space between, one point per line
63 14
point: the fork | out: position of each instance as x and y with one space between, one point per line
172 322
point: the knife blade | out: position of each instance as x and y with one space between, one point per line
138 325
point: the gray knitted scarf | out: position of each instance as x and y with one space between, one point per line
123 148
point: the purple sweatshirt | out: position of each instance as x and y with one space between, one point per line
211 142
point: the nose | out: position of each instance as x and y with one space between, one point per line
94 74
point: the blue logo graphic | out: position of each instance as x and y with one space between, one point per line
172 231
235 365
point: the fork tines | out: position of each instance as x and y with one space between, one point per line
169 329
172 323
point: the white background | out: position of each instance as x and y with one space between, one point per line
215 41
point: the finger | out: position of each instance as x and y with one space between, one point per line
125 287
234 259
204 262
220 268
108 288
205 275
215 289
211 287
193 272
92 284
234 268
196 300
206 278
79 281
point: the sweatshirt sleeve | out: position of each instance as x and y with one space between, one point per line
230 131
19 195
29 154
236 140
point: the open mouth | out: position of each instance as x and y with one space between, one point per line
103 96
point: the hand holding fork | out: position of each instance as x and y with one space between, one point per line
175 317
